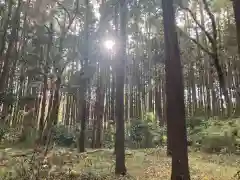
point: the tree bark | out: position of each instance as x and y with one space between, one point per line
175 96
236 9
120 168
81 138
13 38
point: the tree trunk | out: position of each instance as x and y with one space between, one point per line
67 110
5 29
56 101
81 139
43 107
193 85
120 168
236 8
175 96
13 35
99 110
48 119
112 97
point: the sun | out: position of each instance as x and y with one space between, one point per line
109 44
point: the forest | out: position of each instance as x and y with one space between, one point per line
119 89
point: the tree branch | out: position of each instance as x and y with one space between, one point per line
210 38
195 42
211 16
68 14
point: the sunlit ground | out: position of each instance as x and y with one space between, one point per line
141 164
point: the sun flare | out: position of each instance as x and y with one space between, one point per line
109 44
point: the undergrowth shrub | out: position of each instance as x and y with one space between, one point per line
67 136
3 131
215 135
108 135
38 167
10 135
145 133
216 143
63 137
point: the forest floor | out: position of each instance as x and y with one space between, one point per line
141 164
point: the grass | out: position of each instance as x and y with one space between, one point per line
141 164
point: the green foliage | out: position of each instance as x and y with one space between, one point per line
109 138
63 137
27 100
9 135
215 135
7 97
146 133
137 130
216 143
196 122
3 130
196 126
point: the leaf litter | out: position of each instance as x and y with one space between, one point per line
63 164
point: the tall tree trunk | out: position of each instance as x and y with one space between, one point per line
215 56
112 97
158 104
213 93
48 120
5 28
67 110
131 107
13 35
45 87
81 138
163 84
56 101
99 109
175 96
236 8
120 167
43 107
193 85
